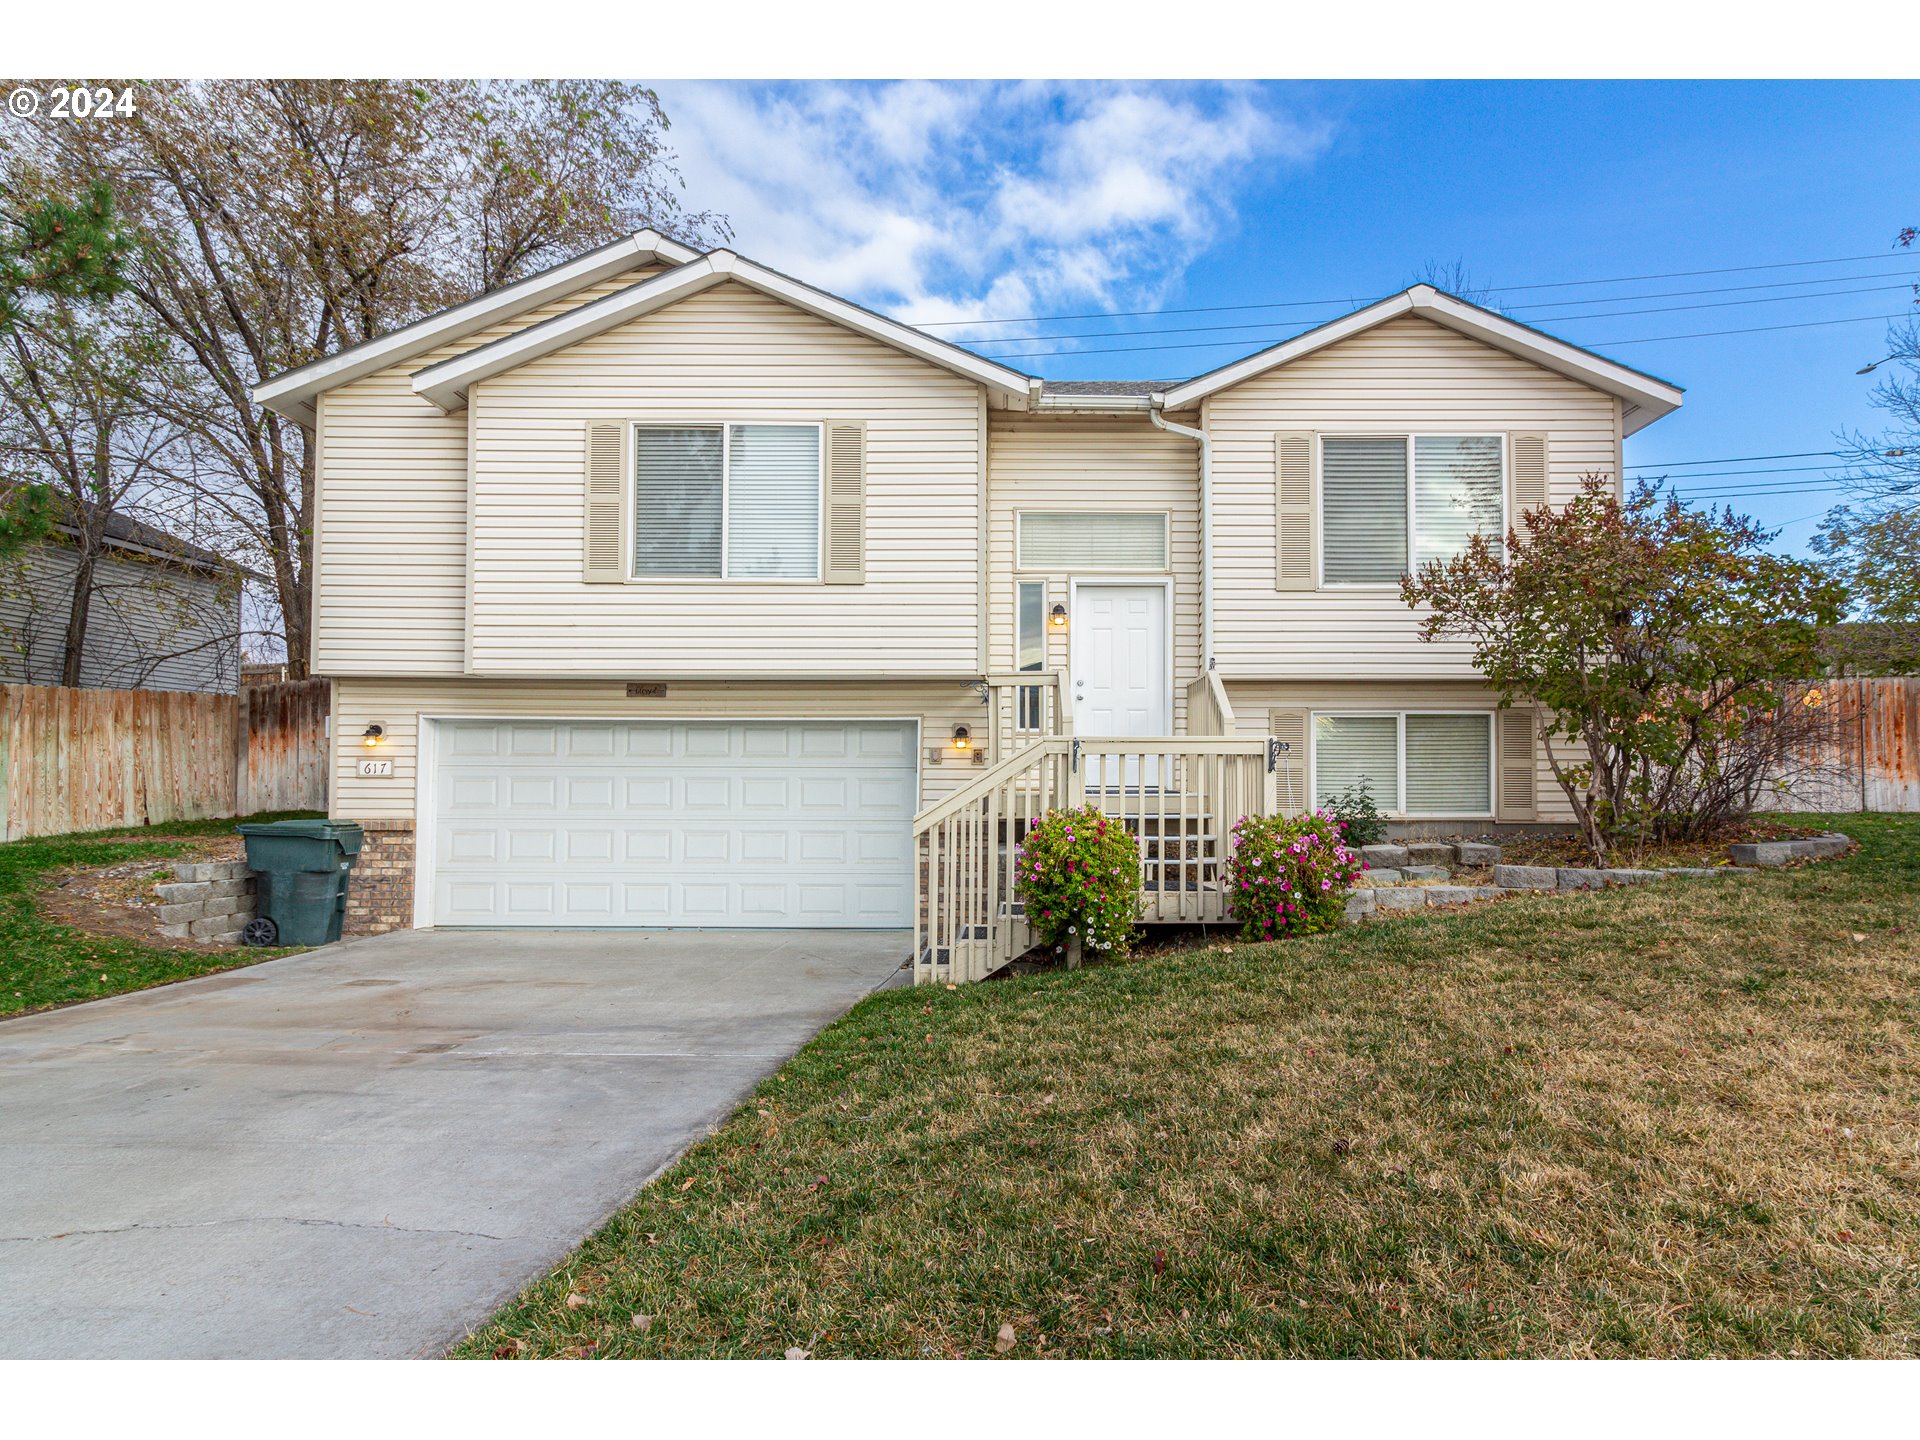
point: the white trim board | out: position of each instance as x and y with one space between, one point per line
293 392
447 383
1645 397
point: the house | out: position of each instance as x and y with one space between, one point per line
662 588
160 614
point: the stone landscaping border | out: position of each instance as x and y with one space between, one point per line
1391 866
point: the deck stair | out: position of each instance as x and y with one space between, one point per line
968 918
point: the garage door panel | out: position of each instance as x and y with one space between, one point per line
674 823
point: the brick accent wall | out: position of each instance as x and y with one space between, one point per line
380 891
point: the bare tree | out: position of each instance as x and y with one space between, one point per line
80 421
281 220
1454 278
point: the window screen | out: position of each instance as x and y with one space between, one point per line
1457 493
773 500
1350 748
1449 765
1092 541
1363 510
676 511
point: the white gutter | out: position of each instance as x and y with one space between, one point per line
1206 523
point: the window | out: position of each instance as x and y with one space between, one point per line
1031 643
1092 541
1414 763
727 501
1383 498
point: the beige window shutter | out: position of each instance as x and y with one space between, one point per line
1289 727
604 563
1526 475
846 542
1515 769
1294 566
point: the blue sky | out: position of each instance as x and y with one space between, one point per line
944 202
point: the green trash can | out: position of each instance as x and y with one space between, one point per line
302 868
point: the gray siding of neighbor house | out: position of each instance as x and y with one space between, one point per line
153 625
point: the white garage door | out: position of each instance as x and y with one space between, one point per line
756 824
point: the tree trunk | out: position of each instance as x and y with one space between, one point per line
1073 952
78 608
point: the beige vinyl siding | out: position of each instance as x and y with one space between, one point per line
727 354
392 515
1395 379
398 705
1091 462
1254 701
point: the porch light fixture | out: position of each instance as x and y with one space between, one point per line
962 738
1059 617
370 737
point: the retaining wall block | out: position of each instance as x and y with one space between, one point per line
1391 857
1470 852
1427 852
1767 852
1526 877
1577 878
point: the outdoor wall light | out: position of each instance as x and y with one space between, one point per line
1059 617
371 736
962 738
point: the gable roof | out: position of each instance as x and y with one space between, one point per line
446 383
1647 397
292 392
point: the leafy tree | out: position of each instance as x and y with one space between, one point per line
1663 642
1878 555
50 249
279 220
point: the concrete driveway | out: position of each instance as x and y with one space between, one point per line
362 1151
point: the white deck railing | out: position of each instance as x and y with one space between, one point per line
1180 797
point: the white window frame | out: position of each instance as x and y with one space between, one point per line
1166 540
1399 717
1320 510
725 427
1028 696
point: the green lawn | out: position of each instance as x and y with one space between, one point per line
44 964
1681 1119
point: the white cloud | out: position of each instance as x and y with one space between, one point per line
937 201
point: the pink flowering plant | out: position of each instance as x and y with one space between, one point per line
1289 876
1079 877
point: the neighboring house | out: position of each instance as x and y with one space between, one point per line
163 615
675 588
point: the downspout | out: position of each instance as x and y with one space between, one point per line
1206 522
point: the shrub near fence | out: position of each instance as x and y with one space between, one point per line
92 759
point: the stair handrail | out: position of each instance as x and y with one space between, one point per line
986 780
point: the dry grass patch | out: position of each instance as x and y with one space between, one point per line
1679 1119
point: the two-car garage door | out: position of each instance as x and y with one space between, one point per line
697 823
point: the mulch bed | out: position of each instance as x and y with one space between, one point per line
1566 847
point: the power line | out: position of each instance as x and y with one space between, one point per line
1349 300
1282 339
974 340
1736 459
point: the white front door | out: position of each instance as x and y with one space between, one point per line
1121 683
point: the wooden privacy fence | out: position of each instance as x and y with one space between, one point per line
94 759
1868 756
